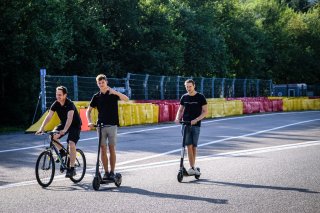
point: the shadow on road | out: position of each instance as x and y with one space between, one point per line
254 186
131 190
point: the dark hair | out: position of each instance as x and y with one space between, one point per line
189 81
63 89
101 77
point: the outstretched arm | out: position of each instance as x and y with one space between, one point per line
45 122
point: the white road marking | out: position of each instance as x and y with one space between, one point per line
202 158
175 162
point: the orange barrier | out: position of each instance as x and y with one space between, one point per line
84 126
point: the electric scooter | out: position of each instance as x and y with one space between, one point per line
182 171
97 180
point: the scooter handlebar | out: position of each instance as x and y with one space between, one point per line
185 122
101 125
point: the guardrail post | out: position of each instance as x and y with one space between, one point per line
127 85
212 89
233 87
178 87
245 88
222 88
257 87
75 88
145 85
270 87
43 90
201 86
161 88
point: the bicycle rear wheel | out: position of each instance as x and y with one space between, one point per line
45 168
80 166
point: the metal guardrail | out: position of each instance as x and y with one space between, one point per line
152 87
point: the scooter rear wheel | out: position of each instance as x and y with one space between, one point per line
96 183
180 177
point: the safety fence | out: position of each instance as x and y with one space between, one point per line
157 111
152 87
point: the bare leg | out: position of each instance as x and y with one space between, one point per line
104 157
73 153
191 155
113 157
56 138
194 149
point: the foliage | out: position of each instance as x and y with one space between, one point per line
275 39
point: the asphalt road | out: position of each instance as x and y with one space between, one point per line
256 163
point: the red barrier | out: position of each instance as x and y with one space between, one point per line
164 113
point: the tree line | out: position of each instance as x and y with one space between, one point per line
274 39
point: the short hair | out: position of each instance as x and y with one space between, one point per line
189 81
101 77
63 89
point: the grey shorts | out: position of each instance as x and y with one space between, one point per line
192 135
109 135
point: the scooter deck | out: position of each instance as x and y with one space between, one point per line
117 178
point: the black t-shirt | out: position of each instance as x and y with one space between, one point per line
107 106
62 112
192 106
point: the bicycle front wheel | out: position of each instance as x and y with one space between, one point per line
80 166
45 168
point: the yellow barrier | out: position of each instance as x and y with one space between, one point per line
217 110
54 122
229 108
238 107
155 113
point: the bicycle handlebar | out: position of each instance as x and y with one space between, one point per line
48 133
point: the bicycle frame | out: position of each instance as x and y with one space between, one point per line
52 146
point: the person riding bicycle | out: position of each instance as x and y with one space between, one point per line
106 102
193 108
70 124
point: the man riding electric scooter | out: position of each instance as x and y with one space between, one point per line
106 102
193 108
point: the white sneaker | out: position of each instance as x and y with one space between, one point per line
197 171
191 171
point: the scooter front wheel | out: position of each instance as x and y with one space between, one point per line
118 180
180 176
197 176
96 183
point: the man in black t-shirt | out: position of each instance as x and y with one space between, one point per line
70 123
106 102
193 108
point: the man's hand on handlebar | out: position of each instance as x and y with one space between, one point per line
91 125
177 121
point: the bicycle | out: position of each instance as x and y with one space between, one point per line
45 165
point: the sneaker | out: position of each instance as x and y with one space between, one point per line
70 173
105 176
191 171
111 176
197 171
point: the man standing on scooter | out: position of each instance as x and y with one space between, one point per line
106 102
193 107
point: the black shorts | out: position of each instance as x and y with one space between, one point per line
73 133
